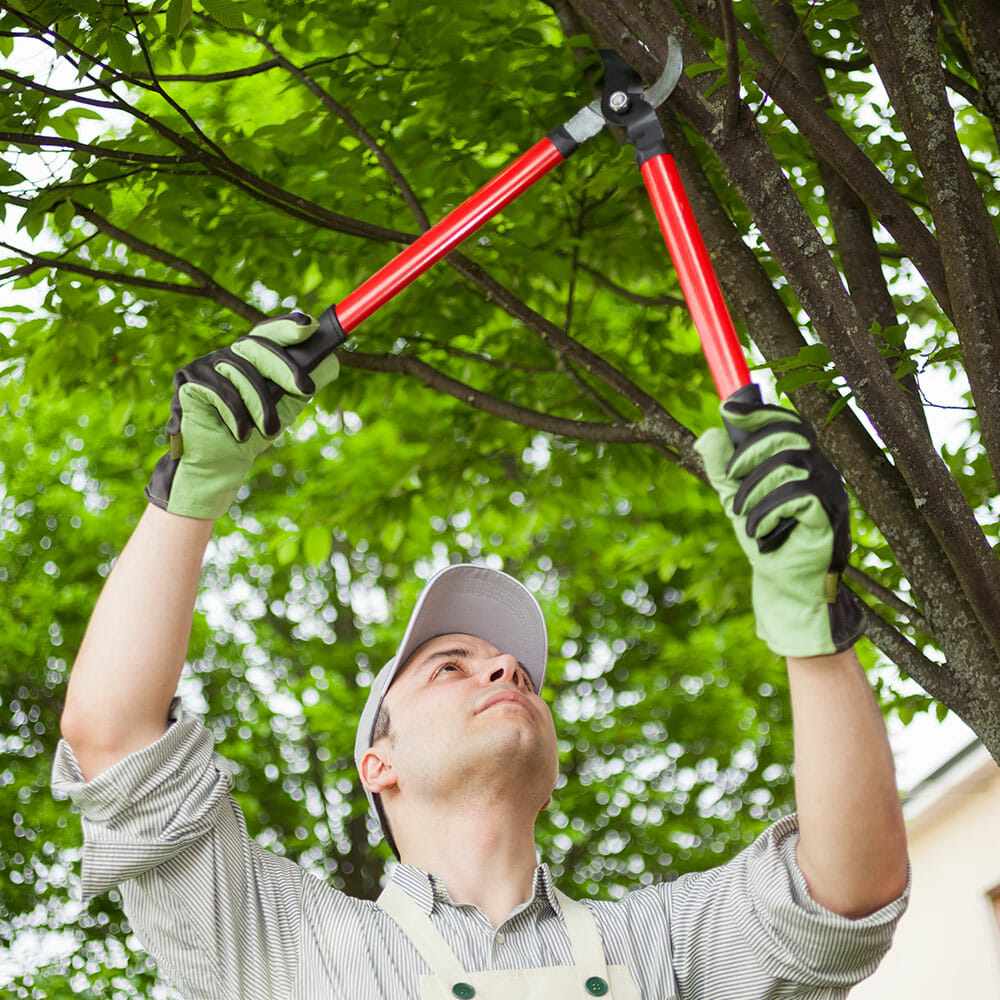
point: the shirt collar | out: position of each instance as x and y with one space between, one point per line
429 892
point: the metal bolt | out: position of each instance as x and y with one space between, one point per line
618 101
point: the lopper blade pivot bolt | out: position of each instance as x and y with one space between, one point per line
618 101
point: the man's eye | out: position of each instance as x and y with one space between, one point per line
447 666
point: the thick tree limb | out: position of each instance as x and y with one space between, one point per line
875 481
857 250
902 38
980 41
752 169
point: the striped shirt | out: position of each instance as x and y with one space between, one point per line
226 919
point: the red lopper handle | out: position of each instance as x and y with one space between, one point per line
722 347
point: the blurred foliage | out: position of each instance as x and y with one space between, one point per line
227 194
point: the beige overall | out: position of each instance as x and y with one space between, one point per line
591 976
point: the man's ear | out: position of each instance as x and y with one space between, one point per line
377 773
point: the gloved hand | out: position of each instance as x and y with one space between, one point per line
222 415
790 511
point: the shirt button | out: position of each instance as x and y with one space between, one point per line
463 991
499 937
596 986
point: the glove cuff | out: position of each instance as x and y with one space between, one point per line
847 618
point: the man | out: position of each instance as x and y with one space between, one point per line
457 752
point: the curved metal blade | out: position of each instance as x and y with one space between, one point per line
661 90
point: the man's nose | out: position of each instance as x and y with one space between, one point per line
503 668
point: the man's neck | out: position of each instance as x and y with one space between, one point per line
484 857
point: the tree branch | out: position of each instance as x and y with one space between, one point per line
366 138
652 301
229 74
752 169
938 681
216 161
39 261
964 89
828 140
902 38
405 364
858 252
63 95
100 152
458 352
209 287
888 597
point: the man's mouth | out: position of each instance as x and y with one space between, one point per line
505 698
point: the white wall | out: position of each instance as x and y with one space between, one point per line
947 944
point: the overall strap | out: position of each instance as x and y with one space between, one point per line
585 941
423 935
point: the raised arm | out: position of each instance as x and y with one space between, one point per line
790 511
852 842
222 416
131 657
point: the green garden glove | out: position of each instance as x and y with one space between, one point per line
225 413
790 511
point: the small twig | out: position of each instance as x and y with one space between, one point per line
458 352
654 301
158 89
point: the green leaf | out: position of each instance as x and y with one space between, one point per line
836 408
9 176
317 544
392 535
120 52
696 69
227 12
798 378
62 217
120 414
287 549
894 335
178 15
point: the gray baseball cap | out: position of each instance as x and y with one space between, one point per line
472 600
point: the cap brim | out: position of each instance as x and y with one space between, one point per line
476 600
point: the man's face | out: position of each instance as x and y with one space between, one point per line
463 711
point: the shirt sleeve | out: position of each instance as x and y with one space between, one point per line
750 928
220 915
